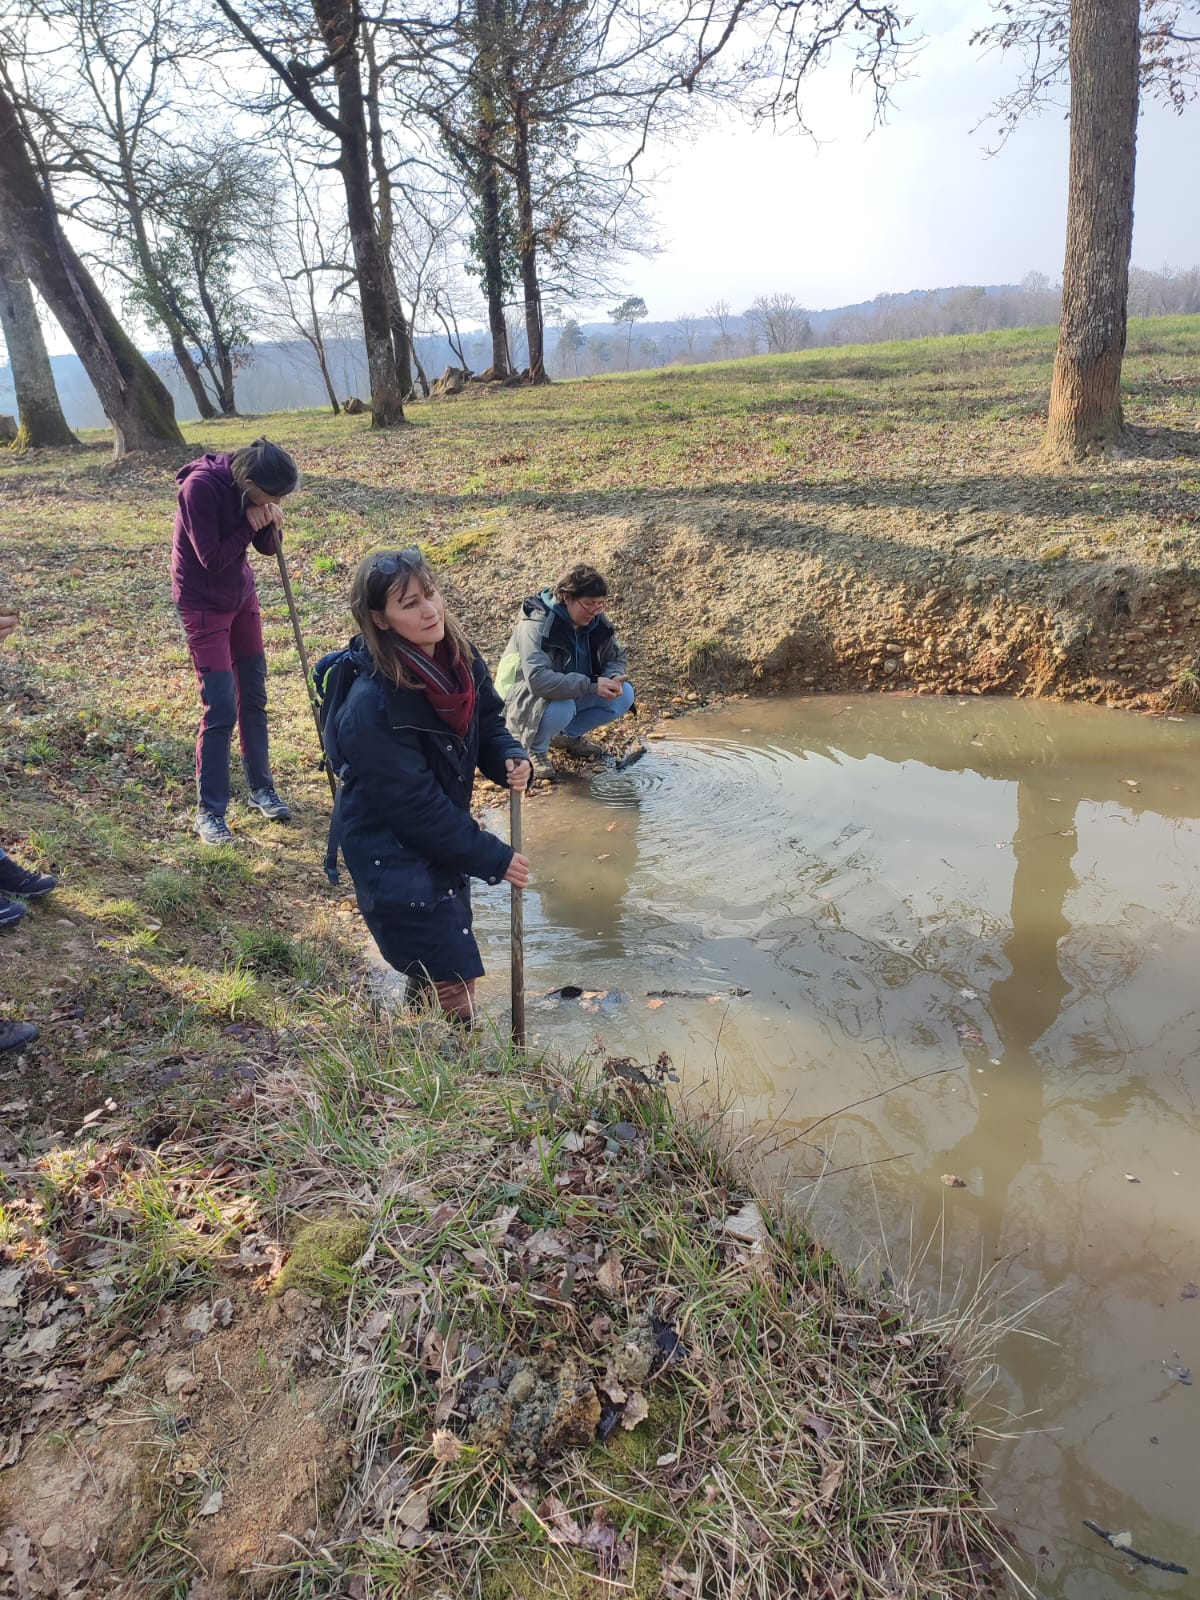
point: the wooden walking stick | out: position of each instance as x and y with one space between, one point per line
518 927
308 683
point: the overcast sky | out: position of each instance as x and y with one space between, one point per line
916 204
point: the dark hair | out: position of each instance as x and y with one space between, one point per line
267 467
378 575
580 582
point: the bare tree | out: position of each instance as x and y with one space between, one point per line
293 303
42 424
135 400
688 324
341 113
110 79
780 321
721 312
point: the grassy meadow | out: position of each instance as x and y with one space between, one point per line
428 1271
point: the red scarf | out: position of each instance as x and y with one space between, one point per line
449 686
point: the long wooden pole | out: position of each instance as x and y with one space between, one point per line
308 683
518 927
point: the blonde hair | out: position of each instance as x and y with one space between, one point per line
386 572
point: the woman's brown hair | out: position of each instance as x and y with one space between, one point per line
581 582
380 574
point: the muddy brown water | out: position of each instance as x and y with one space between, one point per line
1005 895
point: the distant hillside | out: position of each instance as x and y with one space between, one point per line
283 377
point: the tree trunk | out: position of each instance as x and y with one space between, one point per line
318 345
191 374
402 344
135 400
317 339
527 250
339 22
224 356
491 241
43 425
1085 394
160 295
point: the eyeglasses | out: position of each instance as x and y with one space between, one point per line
591 602
394 561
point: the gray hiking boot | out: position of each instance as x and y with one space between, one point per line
573 745
543 767
269 803
212 828
16 1035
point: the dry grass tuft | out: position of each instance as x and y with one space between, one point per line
579 1355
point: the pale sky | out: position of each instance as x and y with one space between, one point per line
917 204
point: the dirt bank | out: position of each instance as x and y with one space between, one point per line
746 593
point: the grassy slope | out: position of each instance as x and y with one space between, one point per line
178 988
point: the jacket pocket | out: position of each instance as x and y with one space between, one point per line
397 883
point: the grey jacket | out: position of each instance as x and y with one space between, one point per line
538 664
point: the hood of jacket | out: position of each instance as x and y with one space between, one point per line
218 465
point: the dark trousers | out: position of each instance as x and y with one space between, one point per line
227 652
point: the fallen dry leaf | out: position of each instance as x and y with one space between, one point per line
560 1524
413 1510
817 1426
655 1005
679 1583
952 1181
637 1409
610 1277
746 1224
831 1480
600 1537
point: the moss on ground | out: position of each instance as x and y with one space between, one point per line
321 1256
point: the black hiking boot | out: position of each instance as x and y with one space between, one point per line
16 1035
10 911
14 879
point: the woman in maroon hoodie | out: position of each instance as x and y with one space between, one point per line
226 504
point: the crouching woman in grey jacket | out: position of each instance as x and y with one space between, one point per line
563 672
419 719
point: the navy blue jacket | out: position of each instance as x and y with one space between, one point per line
407 832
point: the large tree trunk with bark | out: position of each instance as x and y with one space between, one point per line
43 425
491 246
402 342
135 400
1085 395
338 23
527 250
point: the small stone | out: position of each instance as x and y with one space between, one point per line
180 1380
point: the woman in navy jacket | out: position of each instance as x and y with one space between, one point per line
417 722
226 504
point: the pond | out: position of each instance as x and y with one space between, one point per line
975 924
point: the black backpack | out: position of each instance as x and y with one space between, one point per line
332 677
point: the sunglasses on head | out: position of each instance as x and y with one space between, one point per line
394 561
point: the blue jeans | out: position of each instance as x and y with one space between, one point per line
576 718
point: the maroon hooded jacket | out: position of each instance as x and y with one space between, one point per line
209 569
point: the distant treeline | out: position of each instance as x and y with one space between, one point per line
283 375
